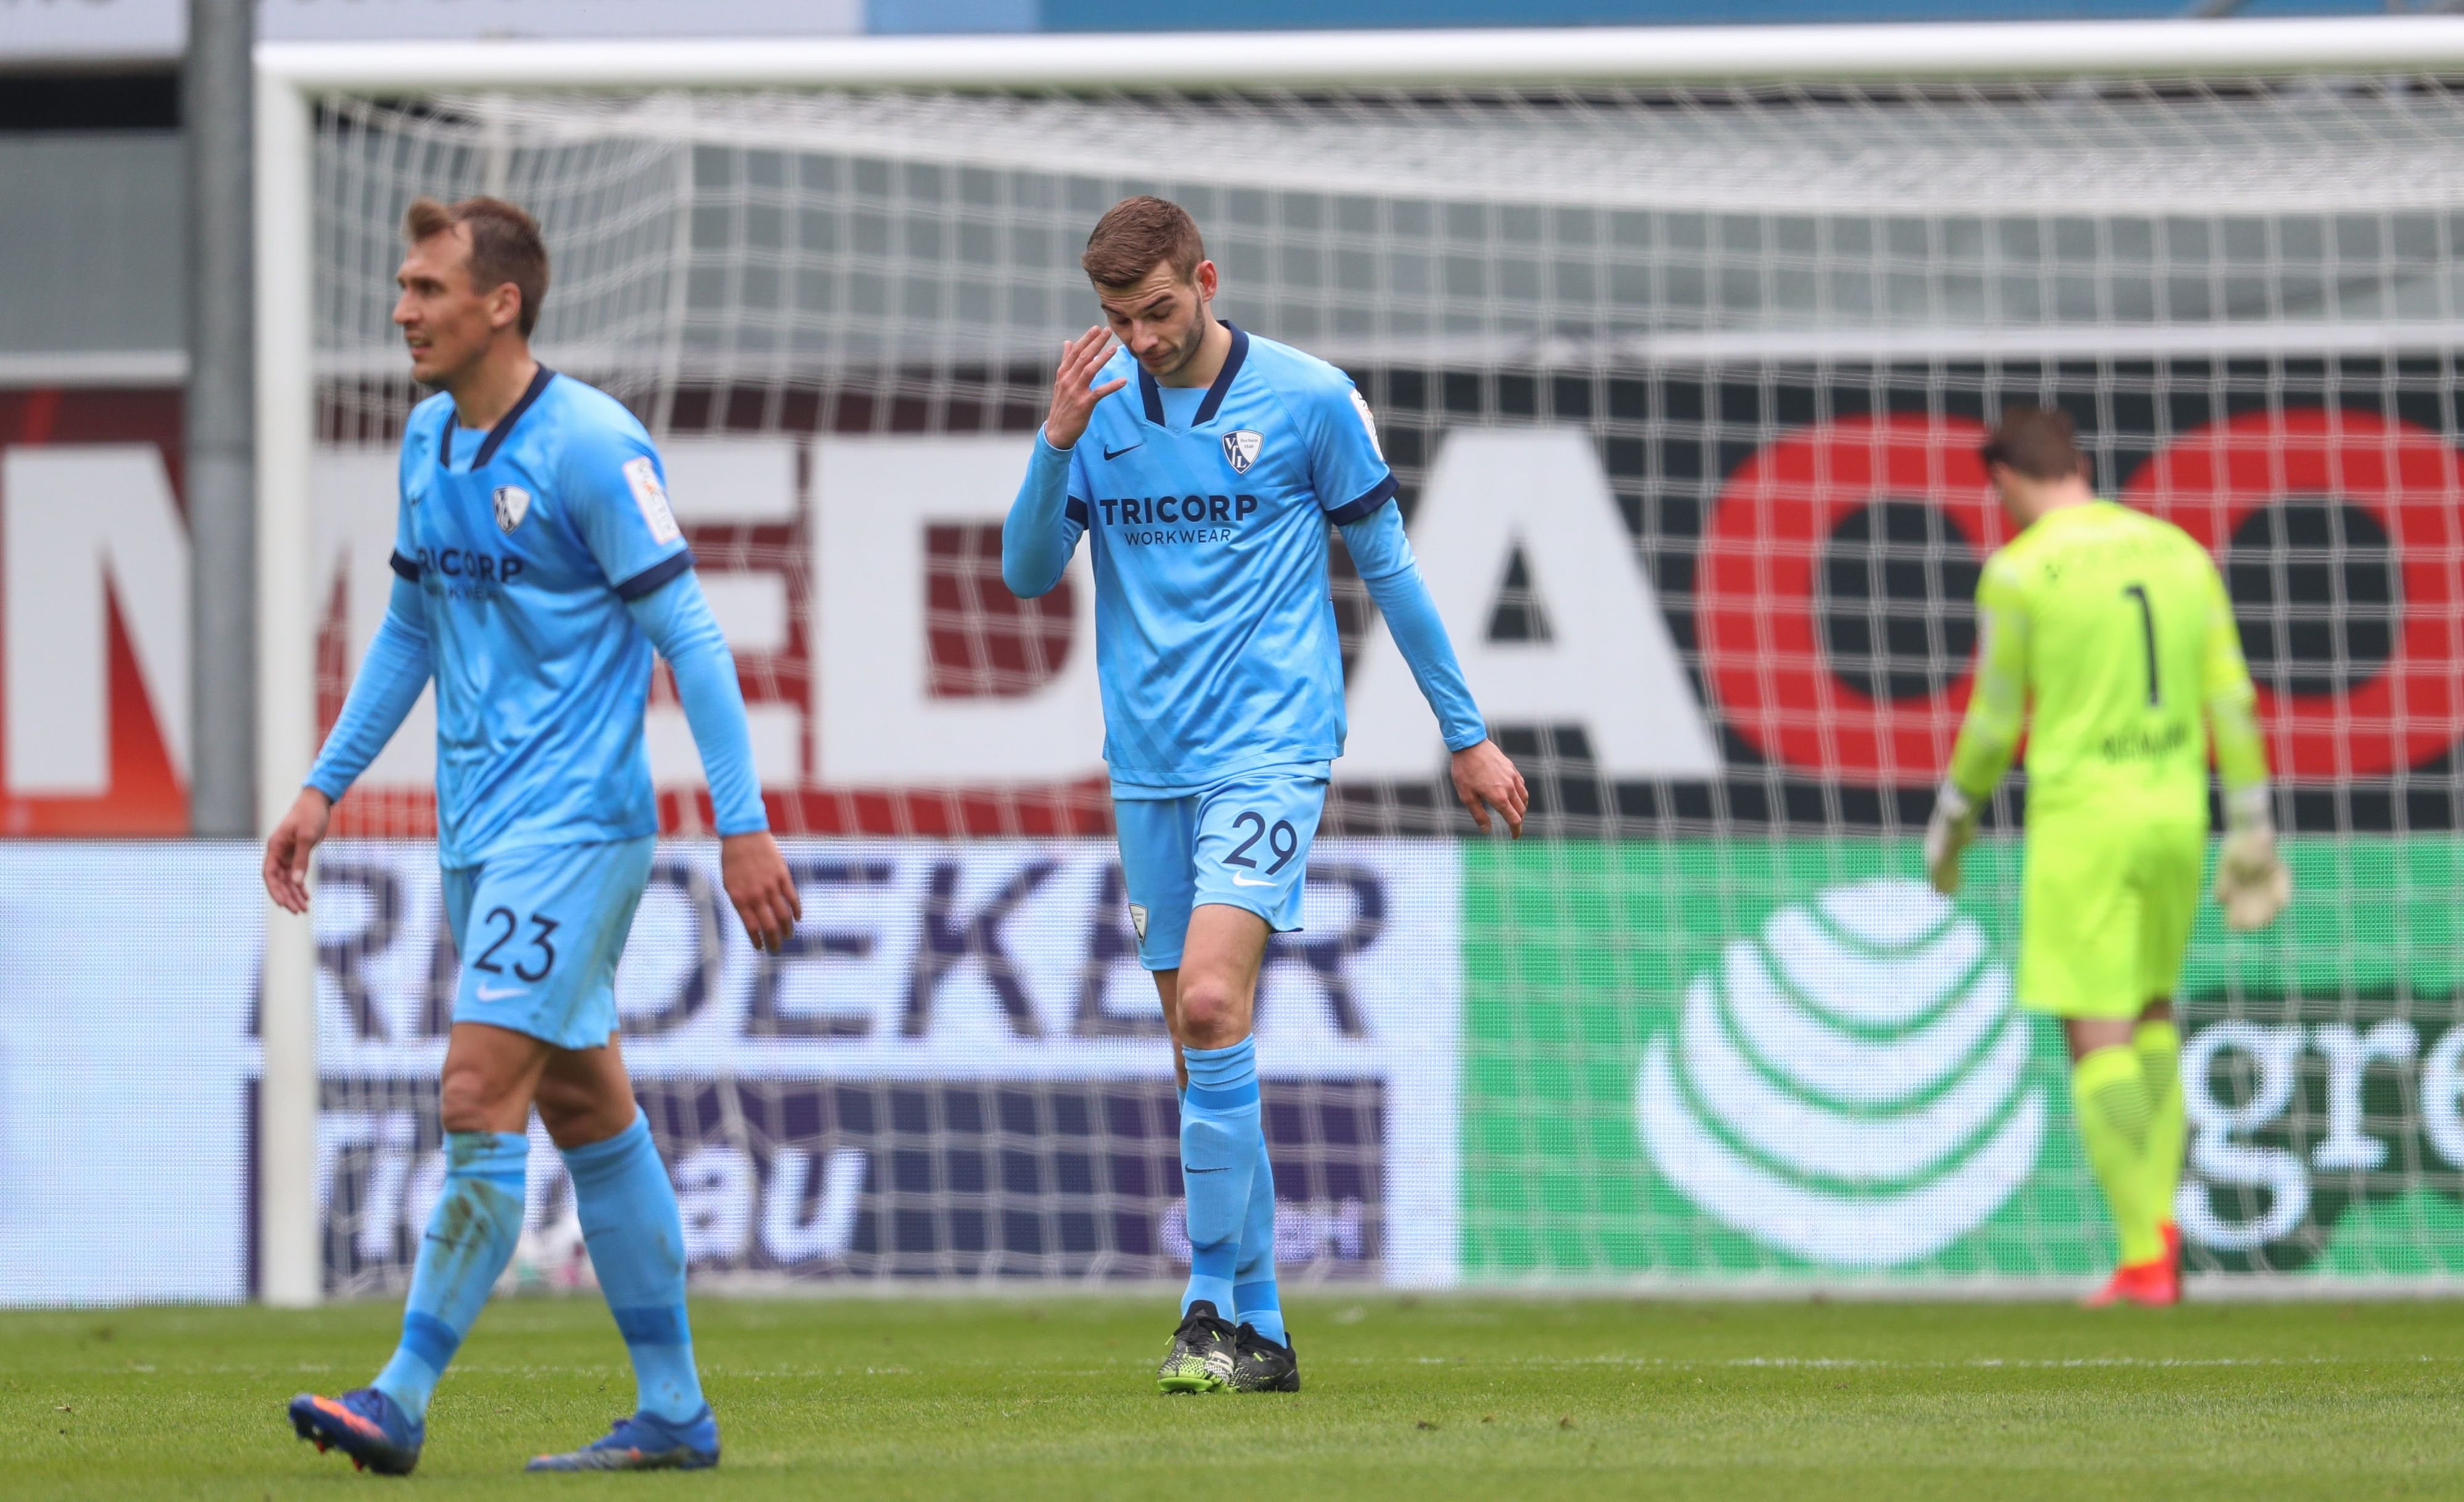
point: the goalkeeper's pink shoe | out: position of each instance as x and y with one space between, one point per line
2153 1284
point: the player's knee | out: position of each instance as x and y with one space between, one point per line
467 1101
1214 1014
576 1115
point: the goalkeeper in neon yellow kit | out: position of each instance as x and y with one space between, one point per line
2107 635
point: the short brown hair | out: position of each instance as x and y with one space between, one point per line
505 246
1137 234
2039 441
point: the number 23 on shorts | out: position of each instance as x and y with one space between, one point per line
531 963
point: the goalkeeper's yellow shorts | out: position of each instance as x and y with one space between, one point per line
2105 906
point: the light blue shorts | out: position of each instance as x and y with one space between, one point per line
540 933
1243 842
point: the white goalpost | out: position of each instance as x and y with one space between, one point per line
1680 341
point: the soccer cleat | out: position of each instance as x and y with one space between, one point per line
1260 1365
1202 1357
2172 1235
365 1424
2155 1284
643 1441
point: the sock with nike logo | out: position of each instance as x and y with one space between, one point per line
1218 1157
1253 1276
471 1237
636 1237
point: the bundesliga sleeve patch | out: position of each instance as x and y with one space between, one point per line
1360 405
652 497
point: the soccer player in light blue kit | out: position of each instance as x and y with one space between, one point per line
537 566
1203 465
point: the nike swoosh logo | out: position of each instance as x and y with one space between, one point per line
1237 879
487 995
1186 1168
1116 453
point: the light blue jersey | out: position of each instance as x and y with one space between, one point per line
526 543
1215 636
537 566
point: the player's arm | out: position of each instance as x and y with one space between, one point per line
617 491
2251 884
1997 713
1357 489
391 675
677 619
1485 777
1046 521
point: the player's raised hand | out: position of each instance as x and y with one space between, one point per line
758 883
287 850
1486 779
1073 398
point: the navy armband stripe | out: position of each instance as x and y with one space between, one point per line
1367 501
405 567
1077 510
656 574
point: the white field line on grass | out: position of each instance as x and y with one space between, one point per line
1890 1364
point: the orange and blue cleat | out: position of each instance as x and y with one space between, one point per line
644 1442
365 1424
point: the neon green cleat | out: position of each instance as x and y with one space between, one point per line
1203 1352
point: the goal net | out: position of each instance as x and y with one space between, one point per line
1683 386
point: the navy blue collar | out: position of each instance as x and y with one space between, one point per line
498 434
1151 394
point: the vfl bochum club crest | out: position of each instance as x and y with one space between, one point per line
513 504
1240 447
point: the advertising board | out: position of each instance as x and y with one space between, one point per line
957 1068
1791 1060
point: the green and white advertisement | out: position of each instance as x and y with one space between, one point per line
1791 1062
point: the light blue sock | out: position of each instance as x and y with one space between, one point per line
1253 1276
1219 1156
637 1247
471 1237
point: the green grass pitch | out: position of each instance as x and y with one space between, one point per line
1406 1399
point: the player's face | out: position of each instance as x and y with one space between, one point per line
1162 321
447 323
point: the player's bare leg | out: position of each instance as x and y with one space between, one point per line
491 1075
1209 1003
584 1095
2118 1119
1214 991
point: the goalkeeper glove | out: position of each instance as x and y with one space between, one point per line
1946 835
2251 884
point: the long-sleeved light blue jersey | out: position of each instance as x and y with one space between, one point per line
539 563
1214 633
